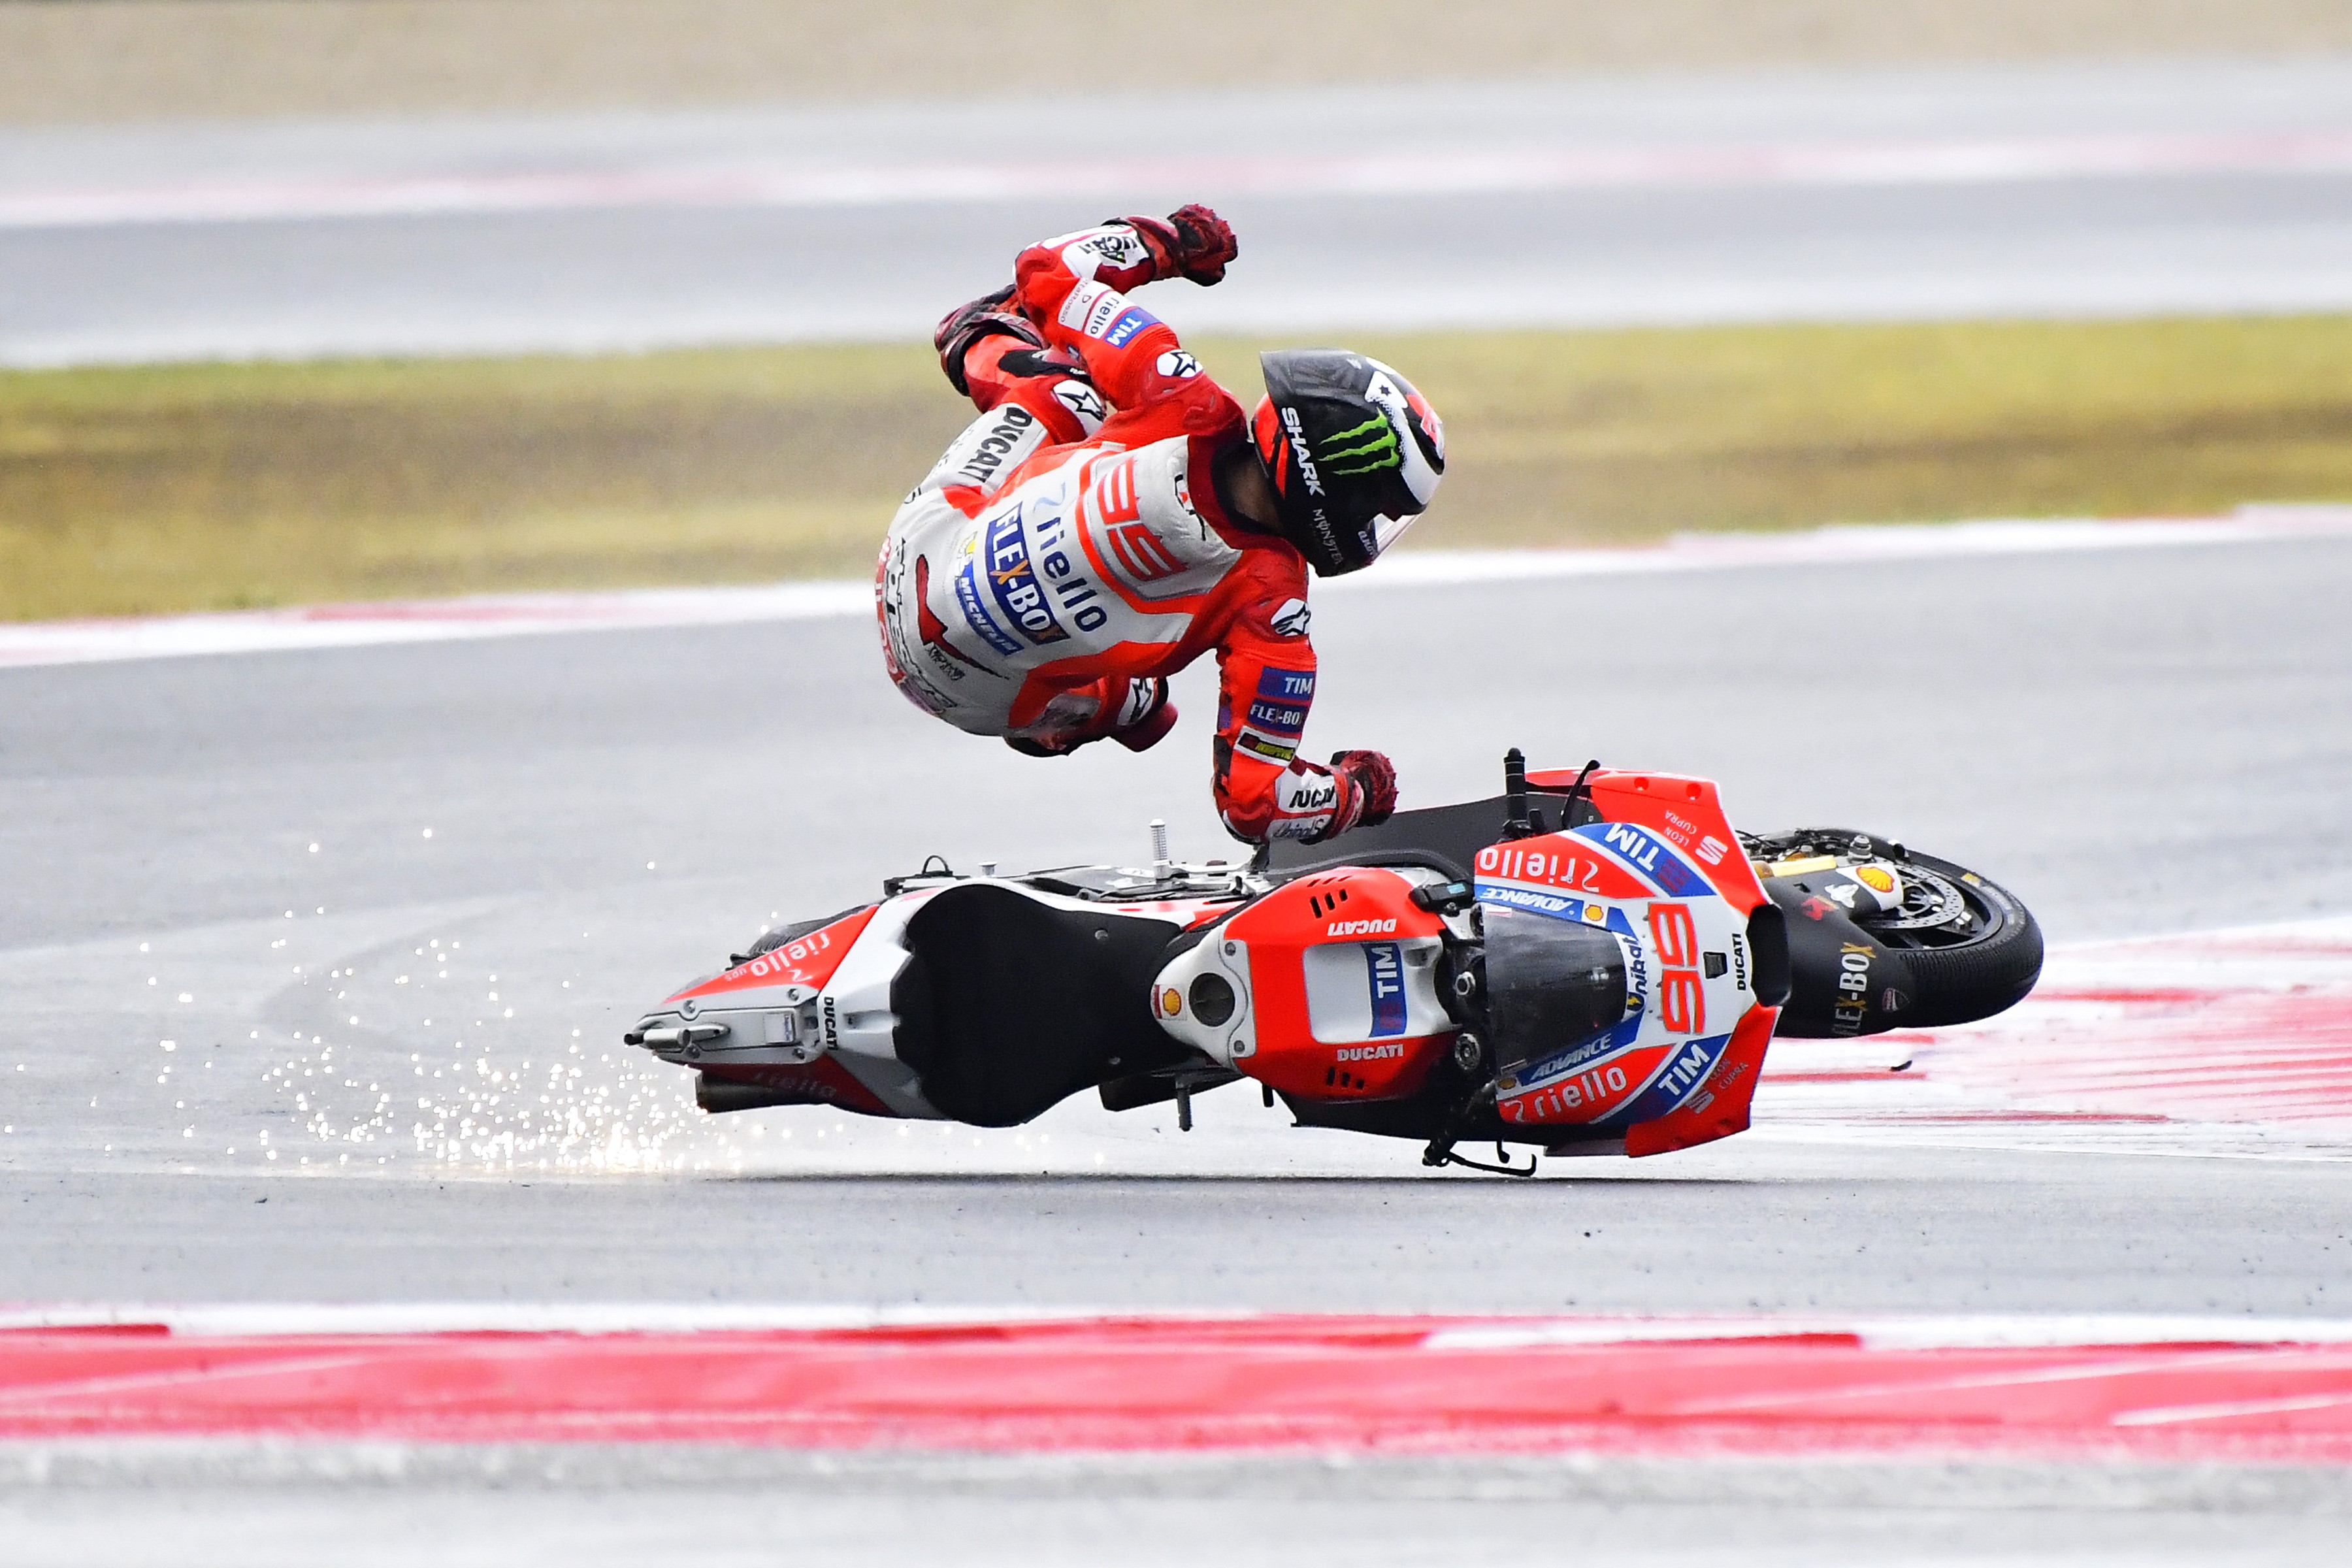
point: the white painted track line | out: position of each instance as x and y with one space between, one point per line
522 615
1941 162
1447 1332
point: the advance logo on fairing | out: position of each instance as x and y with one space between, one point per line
1384 971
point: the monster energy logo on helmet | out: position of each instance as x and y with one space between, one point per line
1366 449
1354 452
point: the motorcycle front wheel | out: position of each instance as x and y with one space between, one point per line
1972 946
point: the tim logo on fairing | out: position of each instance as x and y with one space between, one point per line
1384 967
1645 854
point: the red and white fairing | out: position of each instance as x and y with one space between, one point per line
1662 873
1333 981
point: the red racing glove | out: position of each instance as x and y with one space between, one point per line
1374 777
1191 242
1366 784
987 316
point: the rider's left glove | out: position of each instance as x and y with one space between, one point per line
991 315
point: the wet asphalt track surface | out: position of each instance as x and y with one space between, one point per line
2139 741
2272 234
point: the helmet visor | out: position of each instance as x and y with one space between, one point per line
1387 530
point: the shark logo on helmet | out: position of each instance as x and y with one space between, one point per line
1296 428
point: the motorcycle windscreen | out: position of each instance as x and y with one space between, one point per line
1551 984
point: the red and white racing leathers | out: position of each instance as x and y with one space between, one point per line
1069 549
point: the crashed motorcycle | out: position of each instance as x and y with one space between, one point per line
1594 962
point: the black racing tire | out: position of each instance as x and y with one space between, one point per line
1961 972
1990 971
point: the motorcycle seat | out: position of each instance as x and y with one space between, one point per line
1007 1005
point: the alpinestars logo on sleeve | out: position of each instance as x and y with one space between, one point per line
1366 449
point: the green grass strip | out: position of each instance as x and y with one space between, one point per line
178 488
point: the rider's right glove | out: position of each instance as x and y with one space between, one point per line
1374 777
1367 792
1191 242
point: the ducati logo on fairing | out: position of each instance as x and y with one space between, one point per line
1361 928
1368 1053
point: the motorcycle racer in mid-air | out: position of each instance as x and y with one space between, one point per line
1113 514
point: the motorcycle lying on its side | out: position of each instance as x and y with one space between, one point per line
1594 962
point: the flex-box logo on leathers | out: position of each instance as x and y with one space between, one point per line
1384 971
1014 583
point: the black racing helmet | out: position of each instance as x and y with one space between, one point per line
1354 452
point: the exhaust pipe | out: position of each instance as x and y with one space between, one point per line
719 1095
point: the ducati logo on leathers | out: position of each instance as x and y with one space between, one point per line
1012 432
